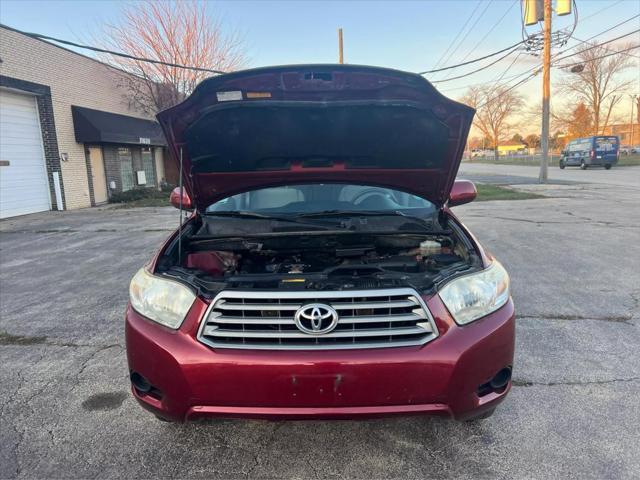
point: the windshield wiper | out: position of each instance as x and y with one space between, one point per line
234 213
258 216
365 213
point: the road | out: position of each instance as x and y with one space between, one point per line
621 176
573 412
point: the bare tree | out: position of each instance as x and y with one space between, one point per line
598 84
532 140
183 33
495 108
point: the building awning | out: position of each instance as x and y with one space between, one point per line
96 126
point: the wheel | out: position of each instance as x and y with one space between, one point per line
583 165
607 166
561 165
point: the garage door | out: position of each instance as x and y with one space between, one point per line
23 175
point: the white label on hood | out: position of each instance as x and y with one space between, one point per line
229 96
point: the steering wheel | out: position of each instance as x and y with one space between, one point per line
370 192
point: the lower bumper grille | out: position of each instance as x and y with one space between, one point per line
365 319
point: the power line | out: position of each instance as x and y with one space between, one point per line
509 78
39 36
596 45
611 28
598 34
597 58
608 49
556 58
493 27
523 41
608 7
538 69
508 68
521 82
475 60
510 49
458 35
468 31
476 70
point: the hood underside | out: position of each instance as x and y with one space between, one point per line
313 124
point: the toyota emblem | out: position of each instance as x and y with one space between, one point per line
316 318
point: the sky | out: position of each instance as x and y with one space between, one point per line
408 35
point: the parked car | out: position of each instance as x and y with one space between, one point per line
635 149
625 149
321 273
591 151
482 152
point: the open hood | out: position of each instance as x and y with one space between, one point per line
317 123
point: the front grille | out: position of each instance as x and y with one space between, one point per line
366 319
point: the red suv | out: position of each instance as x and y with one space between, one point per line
321 273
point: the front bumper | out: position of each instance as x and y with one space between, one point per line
191 380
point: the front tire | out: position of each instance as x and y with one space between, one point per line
583 166
607 166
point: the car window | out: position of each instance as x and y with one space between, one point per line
606 143
292 199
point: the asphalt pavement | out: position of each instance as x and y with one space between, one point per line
526 174
574 259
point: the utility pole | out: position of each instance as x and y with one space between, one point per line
340 48
546 92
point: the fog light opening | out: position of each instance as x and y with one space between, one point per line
140 383
497 384
501 379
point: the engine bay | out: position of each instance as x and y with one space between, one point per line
354 260
314 260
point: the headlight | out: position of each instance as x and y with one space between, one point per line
473 296
160 300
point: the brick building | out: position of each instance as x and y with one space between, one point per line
68 136
629 133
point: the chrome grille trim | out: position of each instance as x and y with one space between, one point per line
261 320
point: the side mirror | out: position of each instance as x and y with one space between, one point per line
175 199
463 191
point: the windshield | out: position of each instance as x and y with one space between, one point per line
317 198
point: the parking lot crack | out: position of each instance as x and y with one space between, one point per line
88 360
22 384
29 340
611 318
312 467
584 221
526 383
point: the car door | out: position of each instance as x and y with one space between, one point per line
575 152
566 154
584 148
606 149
